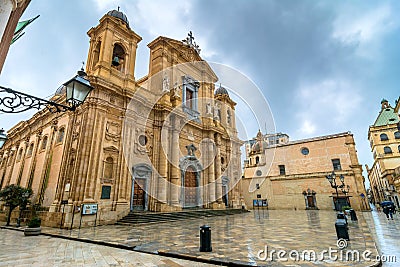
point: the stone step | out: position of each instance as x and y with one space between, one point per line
157 217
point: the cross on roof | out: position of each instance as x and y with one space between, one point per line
191 38
190 42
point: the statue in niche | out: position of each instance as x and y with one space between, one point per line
217 112
165 84
208 109
191 149
177 90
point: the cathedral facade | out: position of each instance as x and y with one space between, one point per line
164 142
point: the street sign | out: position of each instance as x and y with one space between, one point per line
89 209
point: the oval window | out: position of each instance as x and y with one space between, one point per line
142 140
305 151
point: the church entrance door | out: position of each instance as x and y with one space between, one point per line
139 195
140 182
310 200
190 187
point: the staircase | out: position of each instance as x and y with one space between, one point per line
159 217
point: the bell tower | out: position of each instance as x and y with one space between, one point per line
112 52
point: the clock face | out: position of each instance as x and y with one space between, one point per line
305 151
259 172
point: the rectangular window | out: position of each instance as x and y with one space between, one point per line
189 98
336 165
282 170
106 192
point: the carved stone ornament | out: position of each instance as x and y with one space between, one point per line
113 131
138 148
176 90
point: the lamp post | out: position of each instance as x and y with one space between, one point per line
345 191
76 91
332 180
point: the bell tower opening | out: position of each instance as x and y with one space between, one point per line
118 57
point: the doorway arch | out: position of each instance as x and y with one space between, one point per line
190 181
225 190
140 183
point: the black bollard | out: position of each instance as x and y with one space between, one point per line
341 229
205 238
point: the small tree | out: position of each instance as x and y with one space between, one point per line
14 196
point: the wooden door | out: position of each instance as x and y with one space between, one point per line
139 195
310 201
190 188
225 195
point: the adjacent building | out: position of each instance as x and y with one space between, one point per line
164 142
293 175
384 138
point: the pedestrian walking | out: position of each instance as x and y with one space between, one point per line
388 212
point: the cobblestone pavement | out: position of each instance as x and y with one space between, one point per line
239 238
387 236
18 250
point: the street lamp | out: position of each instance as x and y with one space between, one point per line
77 89
346 190
332 180
3 137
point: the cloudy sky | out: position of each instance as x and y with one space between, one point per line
323 66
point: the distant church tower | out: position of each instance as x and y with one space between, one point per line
112 52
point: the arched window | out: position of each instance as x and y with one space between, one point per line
61 134
228 116
20 154
96 54
257 159
387 150
397 135
44 142
384 137
118 57
30 149
108 168
398 148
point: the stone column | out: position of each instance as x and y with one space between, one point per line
211 174
13 157
22 165
34 158
218 179
175 171
45 175
163 166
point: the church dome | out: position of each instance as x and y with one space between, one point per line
119 15
221 91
